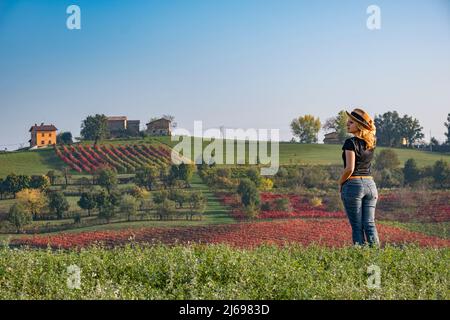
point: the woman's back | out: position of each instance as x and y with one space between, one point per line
363 157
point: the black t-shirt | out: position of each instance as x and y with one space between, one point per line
363 157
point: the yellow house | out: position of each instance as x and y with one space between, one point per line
43 135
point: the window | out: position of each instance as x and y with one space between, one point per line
42 142
49 142
49 134
42 134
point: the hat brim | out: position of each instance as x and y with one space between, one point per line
359 121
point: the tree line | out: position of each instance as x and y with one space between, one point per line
392 130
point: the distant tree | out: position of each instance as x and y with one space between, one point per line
388 129
306 128
165 209
185 173
57 203
52 176
386 159
441 173
33 200
18 216
66 174
248 192
106 204
411 172
434 142
138 193
39 182
3 189
254 175
197 204
146 177
339 125
447 125
410 129
87 202
107 211
174 175
64 138
15 183
107 178
179 197
391 129
95 128
160 196
128 206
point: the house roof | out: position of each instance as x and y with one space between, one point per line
121 118
161 119
43 127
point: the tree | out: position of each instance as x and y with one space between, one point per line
138 193
39 182
197 204
179 197
3 189
339 125
107 178
129 206
14 183
388 129
64 138
391 129
411 172
57 203
66 173
165 209
441 173
106 204
306 128
410 129
248 192
447 125
95 128
87 202
386 159
18 216
254 175
146 177
32 200
185 173
52 176
160 196
174 174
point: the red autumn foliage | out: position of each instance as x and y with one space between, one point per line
325 232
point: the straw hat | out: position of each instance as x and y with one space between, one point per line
362 117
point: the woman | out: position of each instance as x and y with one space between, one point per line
358 189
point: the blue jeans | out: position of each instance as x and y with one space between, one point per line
360 199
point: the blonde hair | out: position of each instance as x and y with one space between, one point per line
369 136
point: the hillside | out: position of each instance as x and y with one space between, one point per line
41 161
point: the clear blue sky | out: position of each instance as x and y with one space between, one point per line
237 63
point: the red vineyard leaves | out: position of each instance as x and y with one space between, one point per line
325 232
122 159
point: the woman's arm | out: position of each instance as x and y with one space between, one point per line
349 168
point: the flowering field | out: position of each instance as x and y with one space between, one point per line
324 232
122 158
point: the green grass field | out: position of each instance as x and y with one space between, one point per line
223 272
41 161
